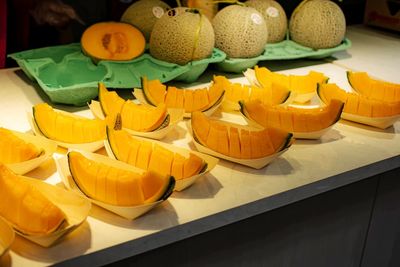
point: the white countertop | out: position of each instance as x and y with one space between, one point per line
348 153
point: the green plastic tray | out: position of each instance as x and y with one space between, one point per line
67 76
284 50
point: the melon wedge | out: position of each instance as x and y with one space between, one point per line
156 93
25 207
293 119
129 149
67 127
14 149
110 101
227 138
363 84
117 186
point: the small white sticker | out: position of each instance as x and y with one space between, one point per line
256 18
158 11
272 12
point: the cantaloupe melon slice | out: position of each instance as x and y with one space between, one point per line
363 84
254 144
272 94
117 186
361 109
110 101
128 148
14 149
304 86
302 122
66 127
25 207
155 93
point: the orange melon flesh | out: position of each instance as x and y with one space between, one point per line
363 84
293 119
189 99
14 149
143 154
225 138
67 128
25 207
271 93
110 102
113 185
142 118
358 104
112 41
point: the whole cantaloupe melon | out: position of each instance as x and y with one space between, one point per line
317 24
240 31
143 15
274 16
182 35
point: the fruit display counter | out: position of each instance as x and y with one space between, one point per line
230 193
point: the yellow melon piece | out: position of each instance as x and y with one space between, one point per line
110 101
25 207
363 84
293 119
190 100
358 104
116 186
143 118
253 143
13 149
65 127
148 156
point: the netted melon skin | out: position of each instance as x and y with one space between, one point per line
274 16
143 15
318 24
181 36
237 34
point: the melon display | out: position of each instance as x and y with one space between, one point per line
110 101
182 35
272 94
240 31
25 207
112 41
13 149
293 119
237 142
190 100
153 157
363 84
304 86
274 16
67 127
143 14
207 7
358 104
117 186
317 24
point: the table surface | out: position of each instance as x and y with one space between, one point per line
230 192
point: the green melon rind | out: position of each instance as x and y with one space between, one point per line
348 74
112 144
37 124
217 102
170 188
145 93
73 176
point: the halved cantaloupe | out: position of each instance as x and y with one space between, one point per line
299 84
116 186
358 104
112 41
146 155
234 141
293 119
13 149
110 101
363 84
272 94
66 127
190 100
25 207
143 118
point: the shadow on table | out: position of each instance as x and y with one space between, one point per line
207 186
